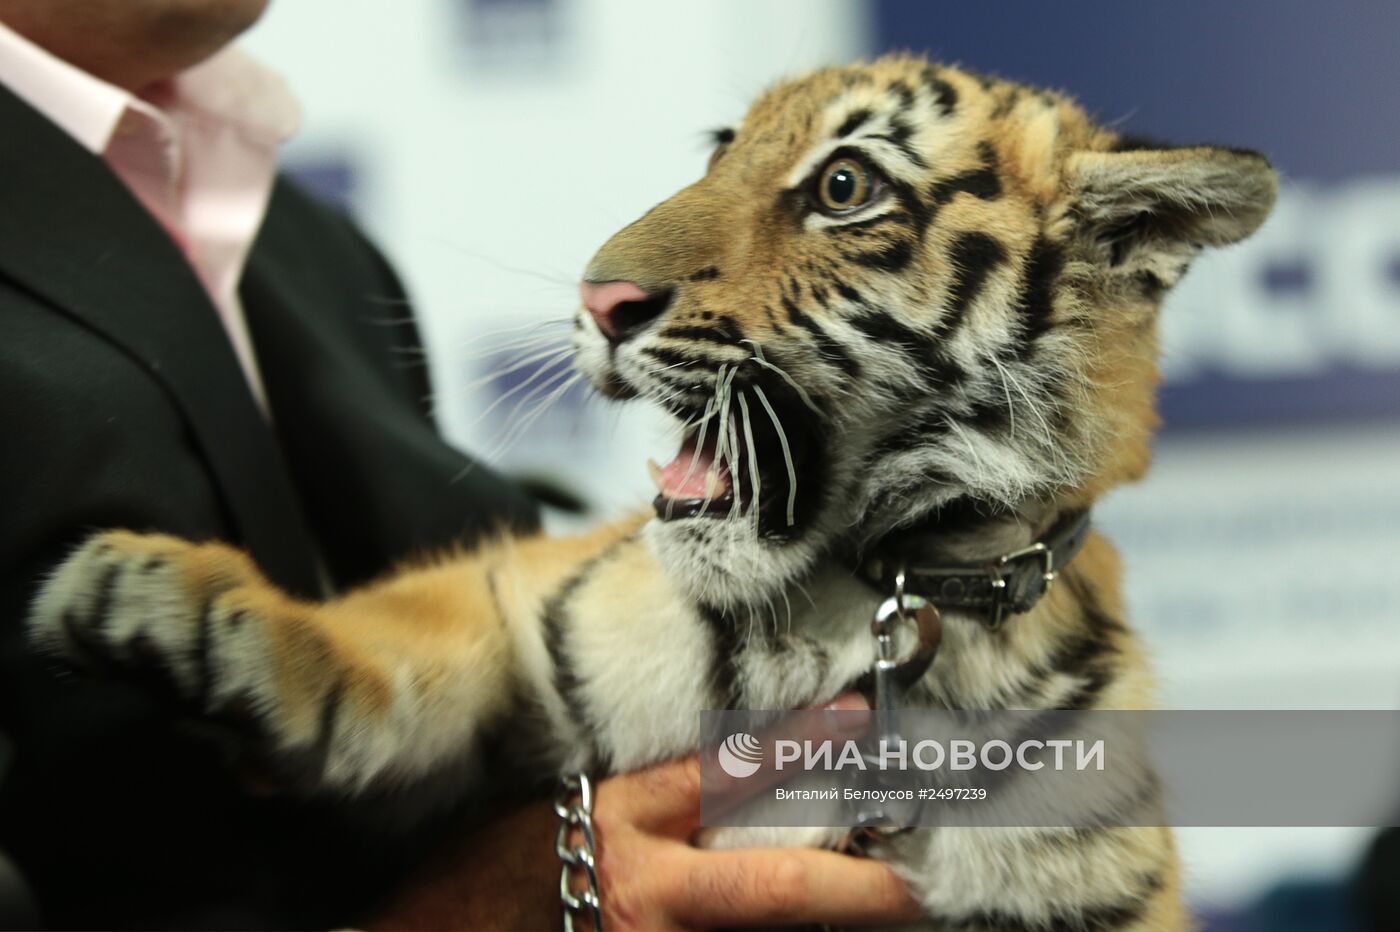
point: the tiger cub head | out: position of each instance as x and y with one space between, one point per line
899 285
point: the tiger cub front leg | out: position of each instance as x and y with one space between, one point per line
385 685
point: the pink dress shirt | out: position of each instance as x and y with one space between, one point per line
198 151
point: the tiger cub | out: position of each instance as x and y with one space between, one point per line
906 307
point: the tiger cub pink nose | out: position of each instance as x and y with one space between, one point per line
622 308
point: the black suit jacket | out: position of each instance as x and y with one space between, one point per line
122 405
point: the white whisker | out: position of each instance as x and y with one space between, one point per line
551 364
552 355
1006 389
523 425
498 442
753 460
700 445
721 447
734 469
787 456
801 392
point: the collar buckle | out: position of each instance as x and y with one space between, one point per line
996 612
1030 588
1047 559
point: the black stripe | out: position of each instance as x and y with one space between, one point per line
720 333
555 621
1151 285
904 92
1134 143
1090 658
700 389
920 213
707 273
921 348
892 257
302 767
319 753
894 497
85 645
700 386
670 357
725 644
1085 655
899 136
983 183
853 122
929 424
1007 103
1035 300
204 685
973 257
882 328
945 96
845 290
827 347
102 607
989 415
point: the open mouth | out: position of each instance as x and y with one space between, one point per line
763 454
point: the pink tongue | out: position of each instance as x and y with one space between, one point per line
684 476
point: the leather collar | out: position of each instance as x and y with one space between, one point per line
1007 584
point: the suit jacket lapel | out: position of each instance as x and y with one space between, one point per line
72 234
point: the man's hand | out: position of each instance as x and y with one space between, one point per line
506 875
651 878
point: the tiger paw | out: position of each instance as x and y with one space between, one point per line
198 623
148 606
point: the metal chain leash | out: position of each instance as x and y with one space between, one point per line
573 803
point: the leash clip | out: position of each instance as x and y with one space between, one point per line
892 676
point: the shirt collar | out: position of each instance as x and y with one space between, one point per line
230 87
85 107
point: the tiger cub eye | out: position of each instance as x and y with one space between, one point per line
843 185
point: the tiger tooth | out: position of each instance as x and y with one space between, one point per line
654 471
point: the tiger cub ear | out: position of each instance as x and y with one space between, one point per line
1145 211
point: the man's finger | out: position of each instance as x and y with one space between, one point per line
846 717
786 886
664 798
